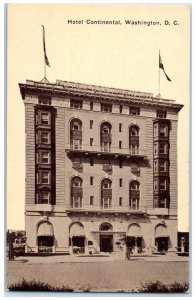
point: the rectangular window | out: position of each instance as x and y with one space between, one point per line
120 127
91 180
163 148
155 130
162 131
134 204
91 141
91 105
155 148
120 109
45 137
120 201
91 200
91 124
105 107
45 158
77 144
120 182
76 104
134 111
134 149
163 166
120 144
45 118
44 197
163 184
45 177
155 166
161 114
91 161
155 184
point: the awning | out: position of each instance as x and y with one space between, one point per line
134 230
45 229
77 229
161 231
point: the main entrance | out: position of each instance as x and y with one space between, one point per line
161 238
106 237
106 243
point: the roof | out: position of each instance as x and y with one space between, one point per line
94 92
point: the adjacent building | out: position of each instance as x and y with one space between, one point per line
101 165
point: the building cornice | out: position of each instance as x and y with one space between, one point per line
68 89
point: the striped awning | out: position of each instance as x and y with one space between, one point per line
77 229
45 229
161 231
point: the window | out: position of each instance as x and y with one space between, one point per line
91 161
162 130
155 148
76 104
134 111
43 177
163 166
120 127
45 118
120 144
163 148
155 184
45 137
91 180
161 114
91 200
120 182
155 130
43 197
76 192
105 107
91 105
120 201
106 193
105 136
134 139
45 157
120 109
91 141
155 166
134 204
163 184
76 134
134 190
91 124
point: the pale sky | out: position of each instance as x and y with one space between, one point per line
120 56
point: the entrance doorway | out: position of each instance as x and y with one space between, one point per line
78 244
161 243
106 243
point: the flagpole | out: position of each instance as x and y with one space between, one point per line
159 74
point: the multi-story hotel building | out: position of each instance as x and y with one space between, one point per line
101 164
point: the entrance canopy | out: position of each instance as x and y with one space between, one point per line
77 229
134 230
161 231
45 229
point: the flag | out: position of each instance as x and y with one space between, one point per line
162 67
44 46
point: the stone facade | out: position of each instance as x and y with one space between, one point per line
93 173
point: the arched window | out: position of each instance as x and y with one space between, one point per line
76 134
134 192
106 193
134 139
106 227
105 136
76 192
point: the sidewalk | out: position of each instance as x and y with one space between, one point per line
109 258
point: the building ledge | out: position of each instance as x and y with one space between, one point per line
123 154
159 211
106 211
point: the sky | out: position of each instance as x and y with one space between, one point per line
120 56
